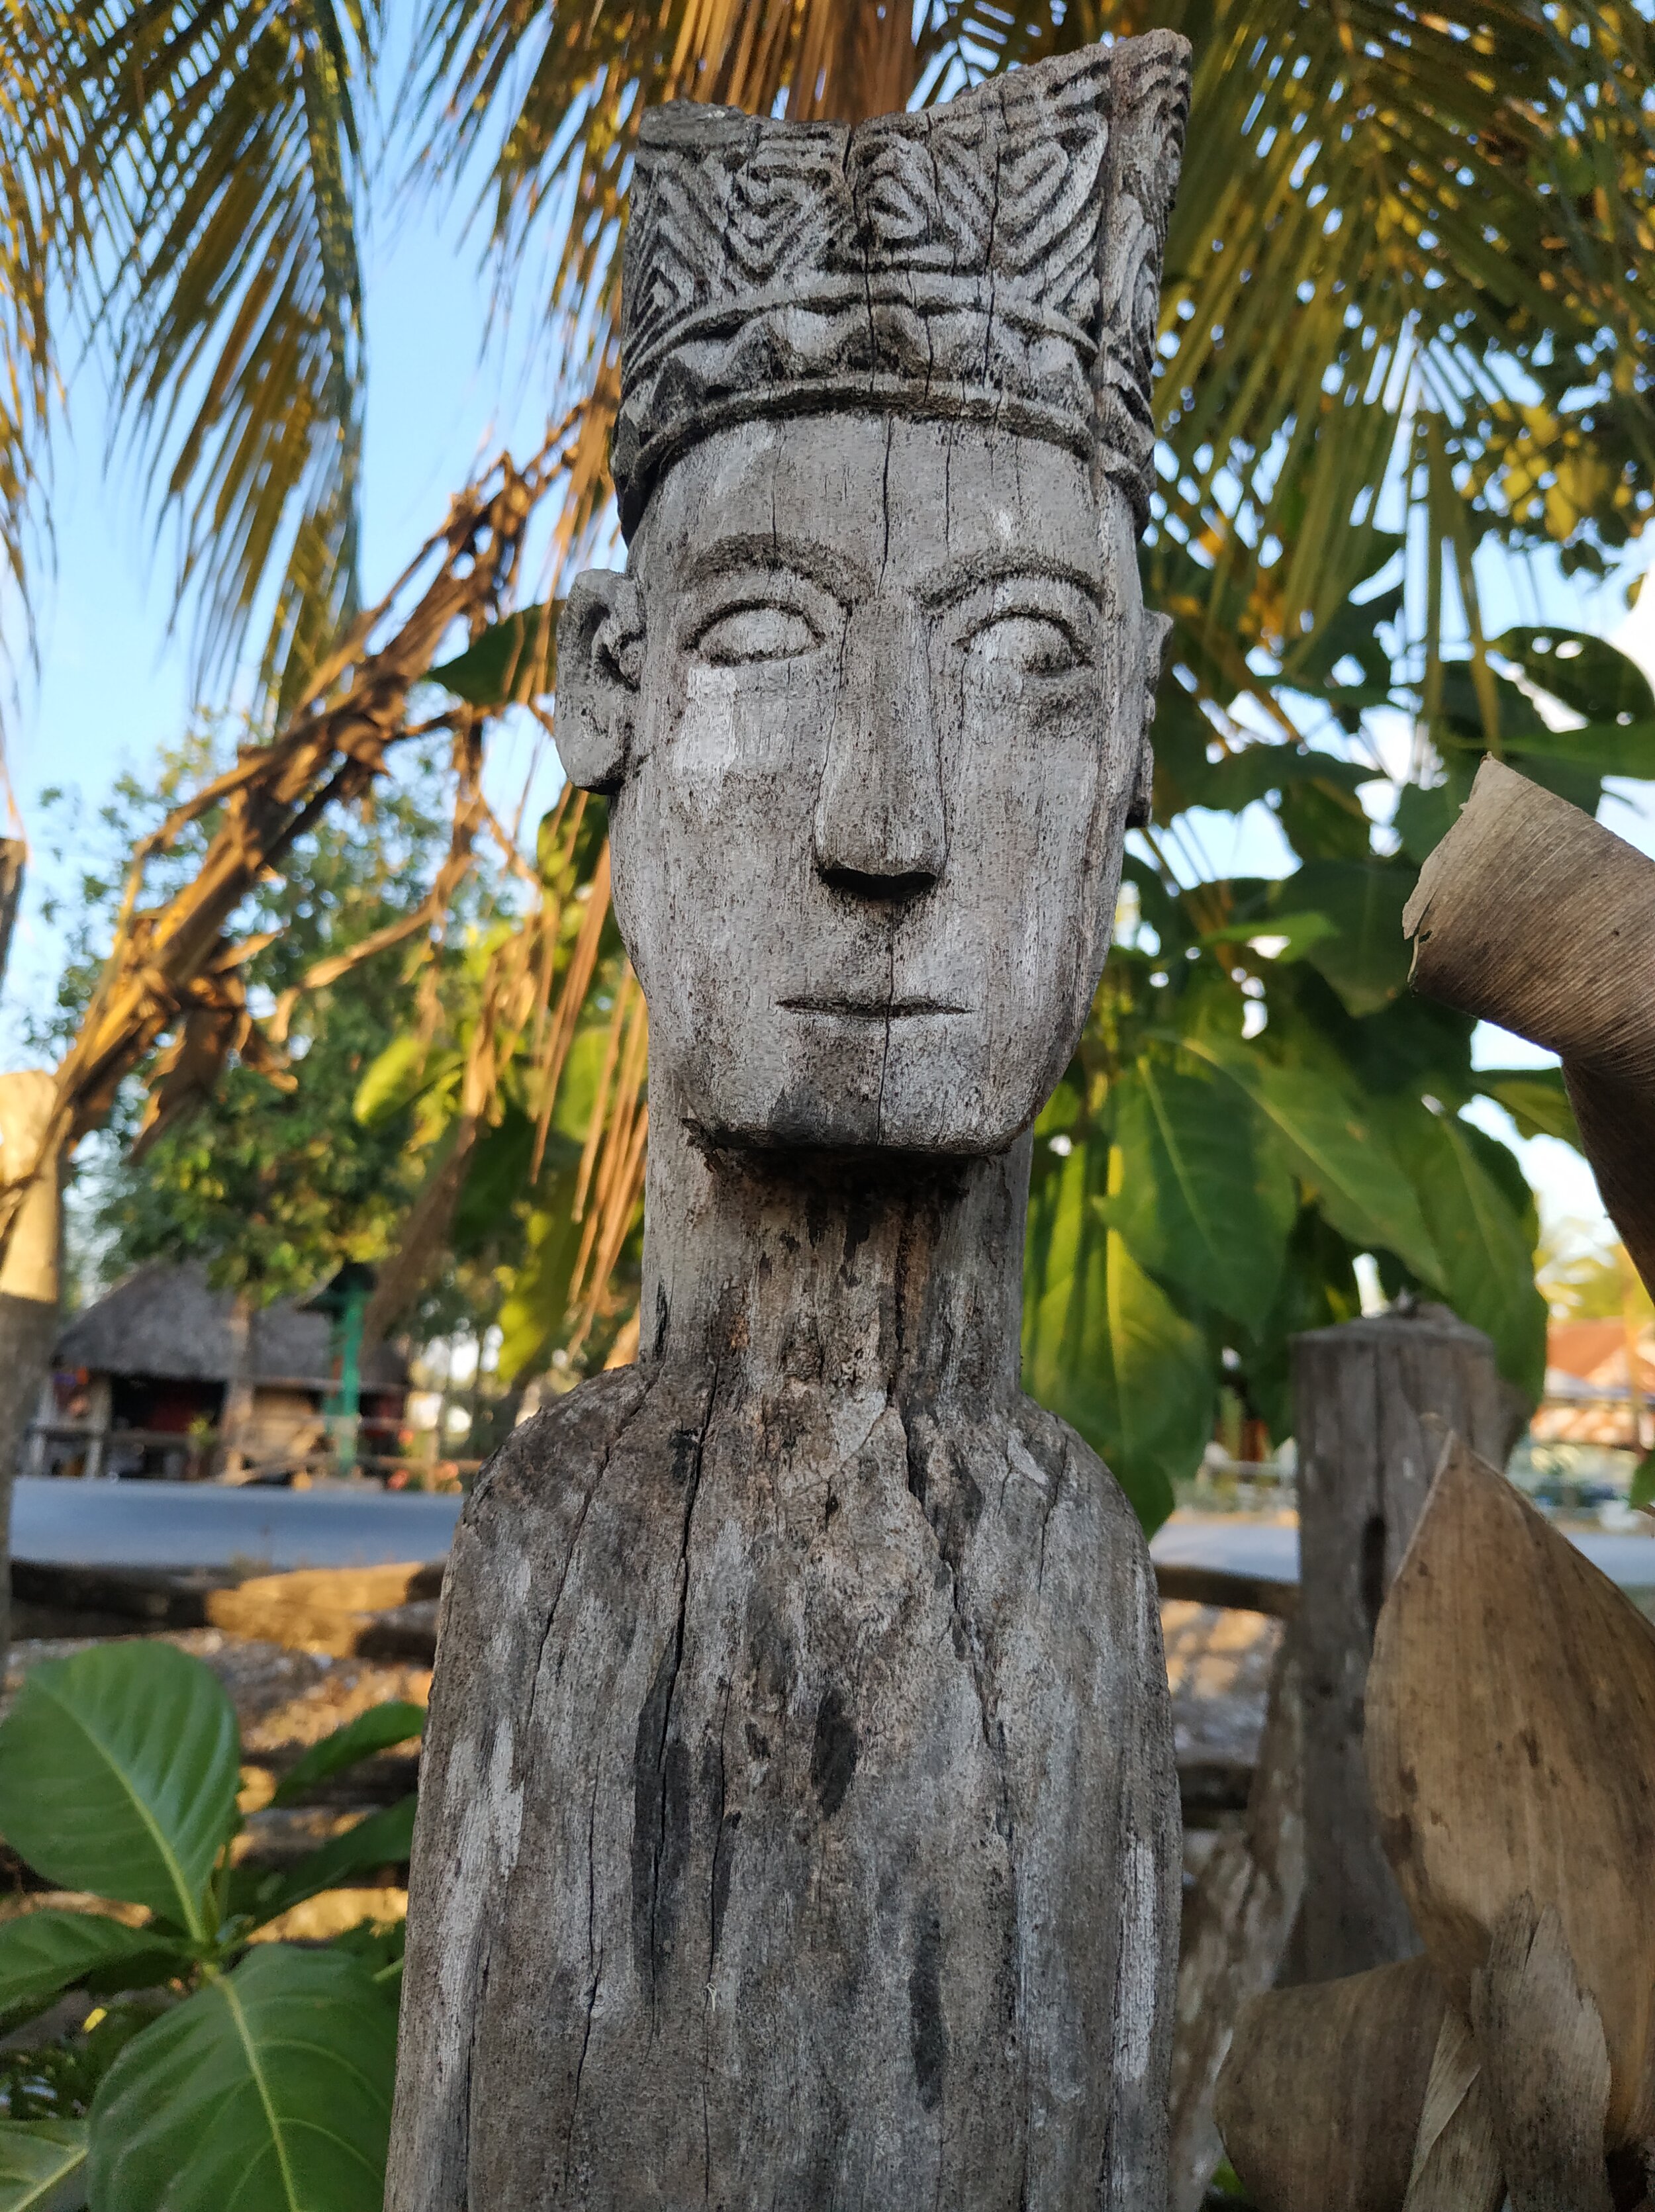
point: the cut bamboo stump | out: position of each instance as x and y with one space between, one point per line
1367 1395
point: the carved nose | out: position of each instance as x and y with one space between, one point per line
880 828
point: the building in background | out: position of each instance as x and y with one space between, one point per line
167 1377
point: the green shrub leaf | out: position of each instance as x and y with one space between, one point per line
43 1953
1202 1201
1535 1098
1103 1346
1486 1242
117 1774
269 2090
515 658
42 2165
376 1729
1338 1149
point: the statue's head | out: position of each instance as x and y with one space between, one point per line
872 698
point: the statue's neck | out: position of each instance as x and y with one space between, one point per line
865 1273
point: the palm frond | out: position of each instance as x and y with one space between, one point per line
219 147
43 242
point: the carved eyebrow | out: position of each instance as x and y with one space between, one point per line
968 572
817 563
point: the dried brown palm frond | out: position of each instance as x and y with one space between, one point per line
1510 1751
536 980
177 968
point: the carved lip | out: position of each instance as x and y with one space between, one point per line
872 1010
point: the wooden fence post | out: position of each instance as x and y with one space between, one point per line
1363 1393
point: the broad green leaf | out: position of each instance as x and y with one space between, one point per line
1487 1245
514 660
377 1729
1537 1099
1103 1346
409 1065
1319 1289
43 1953
1242 777
1366 958
1588 674
268 2091
384 1838
42 2165
118 1769
1286 936
1340 1150
1423 818
1206 1201
1597 749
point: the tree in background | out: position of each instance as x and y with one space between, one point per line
272 1184
1406 325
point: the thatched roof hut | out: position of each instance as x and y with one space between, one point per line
148 1374
167 1323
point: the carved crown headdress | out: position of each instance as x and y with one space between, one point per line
999 256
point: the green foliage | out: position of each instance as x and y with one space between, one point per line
120 1776
512 660
377 1729
40 2163
268 2088
259 2076
272 1190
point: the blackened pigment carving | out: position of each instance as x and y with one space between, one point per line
799 1826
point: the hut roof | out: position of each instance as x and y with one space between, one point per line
168 1322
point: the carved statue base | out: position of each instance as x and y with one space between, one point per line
801 1762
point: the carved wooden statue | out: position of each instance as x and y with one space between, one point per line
799 1826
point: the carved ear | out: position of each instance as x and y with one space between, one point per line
600 659
1156 630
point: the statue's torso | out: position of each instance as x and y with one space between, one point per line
796 1821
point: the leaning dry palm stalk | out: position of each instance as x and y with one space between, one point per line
519 1022
1531 914
175 966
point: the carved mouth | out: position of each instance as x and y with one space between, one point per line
872 1010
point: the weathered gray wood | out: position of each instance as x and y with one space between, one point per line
798 1825
1235 1931
1531 914
1365 1396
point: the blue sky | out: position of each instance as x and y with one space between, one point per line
114 686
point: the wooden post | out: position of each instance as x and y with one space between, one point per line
28 1292
1367 1450
798 1819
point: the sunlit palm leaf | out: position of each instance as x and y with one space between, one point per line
220 147
42 241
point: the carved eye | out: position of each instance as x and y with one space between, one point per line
1028 645
756 632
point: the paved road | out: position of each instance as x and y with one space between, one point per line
1270 1551
186 1524
190 1524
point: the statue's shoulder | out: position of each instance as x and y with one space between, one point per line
556 1453
1077 1474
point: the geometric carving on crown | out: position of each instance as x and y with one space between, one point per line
995 255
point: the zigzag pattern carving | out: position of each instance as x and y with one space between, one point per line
1010 204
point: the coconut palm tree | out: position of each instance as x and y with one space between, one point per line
1410 254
